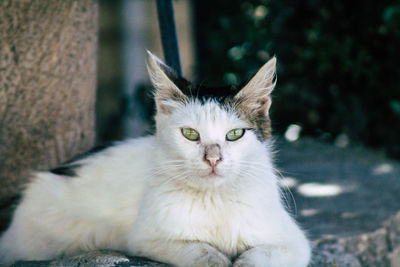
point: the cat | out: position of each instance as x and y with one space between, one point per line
201 192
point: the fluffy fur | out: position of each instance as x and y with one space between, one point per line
157 196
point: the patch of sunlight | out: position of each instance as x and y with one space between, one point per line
309 212
288 182
293 132
348 215
342 141
319 190
384 168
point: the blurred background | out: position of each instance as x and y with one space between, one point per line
338 73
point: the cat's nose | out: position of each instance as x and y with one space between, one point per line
212 155
213 161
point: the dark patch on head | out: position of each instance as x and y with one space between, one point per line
200 92
222 94
264 127
70 167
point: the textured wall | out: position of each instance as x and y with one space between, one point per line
47 86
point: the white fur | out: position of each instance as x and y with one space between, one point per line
153 197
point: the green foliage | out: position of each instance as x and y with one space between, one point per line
337 61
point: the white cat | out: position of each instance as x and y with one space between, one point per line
201 192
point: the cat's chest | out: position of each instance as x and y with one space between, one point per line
217 219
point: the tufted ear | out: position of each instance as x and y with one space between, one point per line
167 94
255 96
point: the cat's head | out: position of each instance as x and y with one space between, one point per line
209 136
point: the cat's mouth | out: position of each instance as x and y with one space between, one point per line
212 175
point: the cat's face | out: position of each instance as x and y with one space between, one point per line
208 156
210 136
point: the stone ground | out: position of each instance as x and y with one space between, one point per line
339 191
345 198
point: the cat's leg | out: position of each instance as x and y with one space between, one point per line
23 241
183 253
274 256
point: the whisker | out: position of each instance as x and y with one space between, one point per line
180 177
285 188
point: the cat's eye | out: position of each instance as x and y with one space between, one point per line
190 134
235 134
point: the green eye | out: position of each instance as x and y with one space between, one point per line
234 134
190 134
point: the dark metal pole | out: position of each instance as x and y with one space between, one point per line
168 34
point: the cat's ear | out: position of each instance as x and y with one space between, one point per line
167 95
255 96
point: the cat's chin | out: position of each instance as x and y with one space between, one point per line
212 175
209 182
212 179
205 180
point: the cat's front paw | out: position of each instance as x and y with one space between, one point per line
252 258
214 260
244 263
273 256
210 257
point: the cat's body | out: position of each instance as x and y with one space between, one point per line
201 197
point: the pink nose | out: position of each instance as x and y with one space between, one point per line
213 161
212 155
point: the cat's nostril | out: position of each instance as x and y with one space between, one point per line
213 161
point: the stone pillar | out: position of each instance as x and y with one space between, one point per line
47 87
